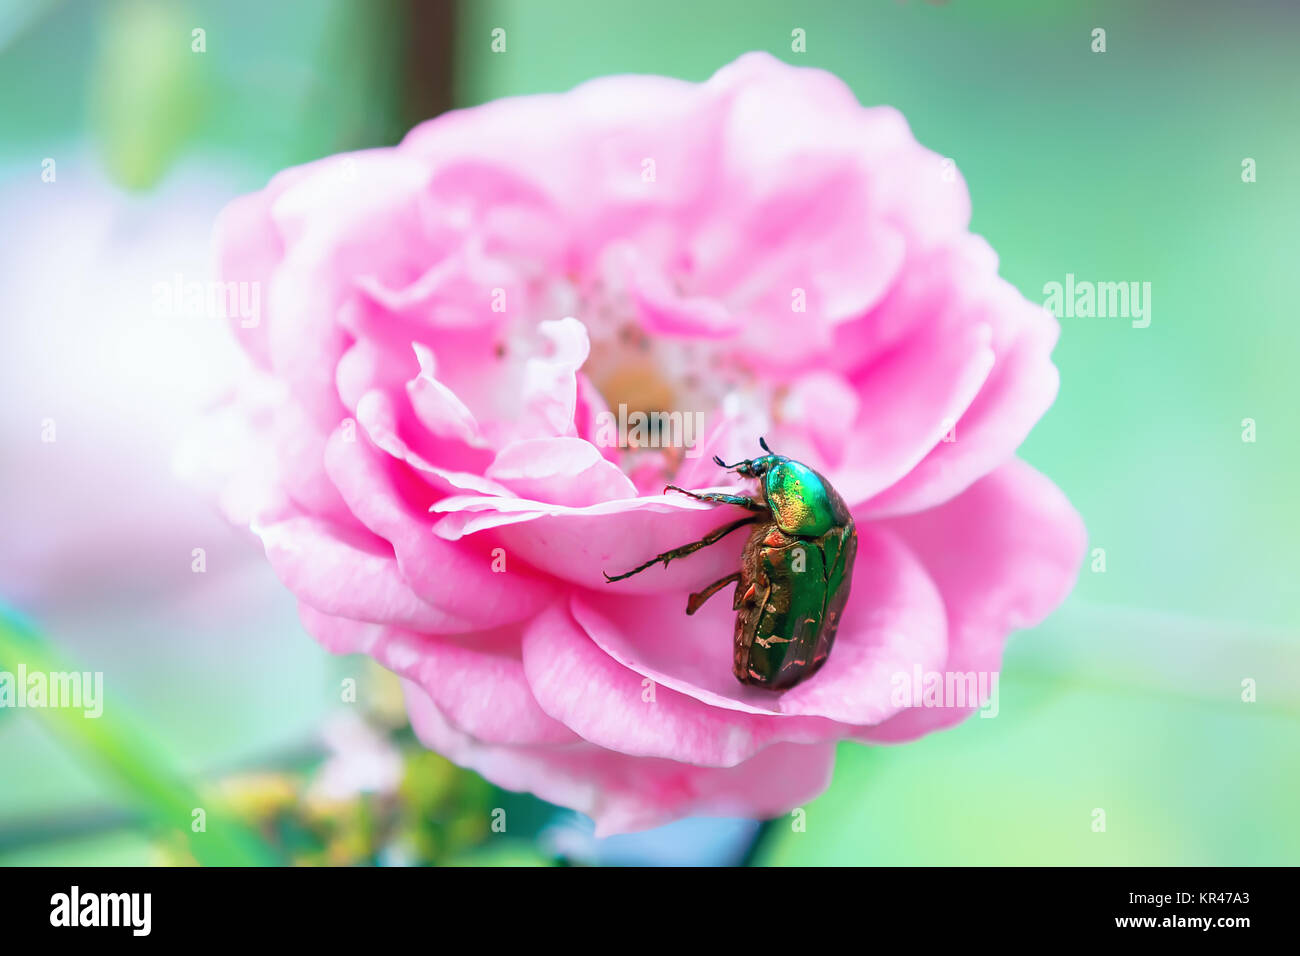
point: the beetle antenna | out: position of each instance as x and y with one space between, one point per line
722 464
763 441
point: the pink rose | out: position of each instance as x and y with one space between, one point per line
446 328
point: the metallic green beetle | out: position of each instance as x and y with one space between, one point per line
795 571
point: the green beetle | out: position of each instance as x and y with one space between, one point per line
795 571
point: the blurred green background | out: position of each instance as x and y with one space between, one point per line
1117 166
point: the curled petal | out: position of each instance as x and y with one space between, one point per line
1004 553
618 708
608 537
623 793
378 416
478 684
664 311
1021 387
550 383
564 471
349 573
456 578
438 408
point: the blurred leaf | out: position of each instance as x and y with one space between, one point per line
146 89
125 751
502 852
16 16
116 848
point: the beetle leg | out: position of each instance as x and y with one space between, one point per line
713 537
699 597
721 499
763 609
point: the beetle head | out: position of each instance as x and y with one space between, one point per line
753 467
